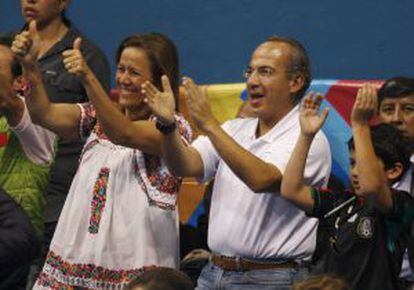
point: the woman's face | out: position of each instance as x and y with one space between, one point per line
43 11
132 71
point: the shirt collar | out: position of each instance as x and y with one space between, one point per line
289 121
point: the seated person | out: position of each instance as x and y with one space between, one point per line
372 222
18 244
25 149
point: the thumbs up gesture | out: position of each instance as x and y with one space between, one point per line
74 61
26 44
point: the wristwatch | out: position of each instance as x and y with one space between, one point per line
165 128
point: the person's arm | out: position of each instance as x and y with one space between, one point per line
373 185
62 119
36 142
293 187
187 161
141 135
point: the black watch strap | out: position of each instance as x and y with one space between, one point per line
165 129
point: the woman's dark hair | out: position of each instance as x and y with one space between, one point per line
390 146
163 57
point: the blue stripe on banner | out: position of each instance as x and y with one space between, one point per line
337 131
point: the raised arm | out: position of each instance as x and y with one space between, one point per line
181 159
372 182
293 187
140 134
62 119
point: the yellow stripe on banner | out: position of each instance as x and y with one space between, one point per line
225 100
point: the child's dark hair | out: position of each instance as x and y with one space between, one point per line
390 146
162 278
321 282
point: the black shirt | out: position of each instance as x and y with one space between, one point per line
366 246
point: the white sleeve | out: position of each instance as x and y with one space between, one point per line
37 142
209 154
209 157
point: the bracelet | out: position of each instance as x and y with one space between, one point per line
165 129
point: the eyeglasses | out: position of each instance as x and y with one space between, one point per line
263 72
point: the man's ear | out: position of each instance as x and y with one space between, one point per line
394 172
21 86
296 83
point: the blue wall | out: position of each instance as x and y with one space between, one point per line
345 39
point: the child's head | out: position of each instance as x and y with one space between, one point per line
391 148
323 282
161 278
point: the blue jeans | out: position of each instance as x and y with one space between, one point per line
213 277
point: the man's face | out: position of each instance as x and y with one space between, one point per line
43 11
400 113
269 84
6 58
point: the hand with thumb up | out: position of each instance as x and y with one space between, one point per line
74 61
26 44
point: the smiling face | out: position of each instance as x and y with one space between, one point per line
43 11
132 71
269 82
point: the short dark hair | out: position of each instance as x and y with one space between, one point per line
16 68
321 282
300 63
396 87
162 54
390 146
162 278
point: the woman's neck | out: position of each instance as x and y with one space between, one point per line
51 34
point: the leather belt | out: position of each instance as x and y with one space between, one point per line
239 264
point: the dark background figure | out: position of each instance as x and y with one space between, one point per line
396 107
18 244
57 34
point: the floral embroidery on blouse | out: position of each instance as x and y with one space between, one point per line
98 200
59 274
158 183
87 120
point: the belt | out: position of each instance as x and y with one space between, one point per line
239 264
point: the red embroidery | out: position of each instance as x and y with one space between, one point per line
83 275
98 200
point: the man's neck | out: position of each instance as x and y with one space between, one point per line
266 124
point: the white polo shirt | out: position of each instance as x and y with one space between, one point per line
262 225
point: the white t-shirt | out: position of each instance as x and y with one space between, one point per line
37 142
262 225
